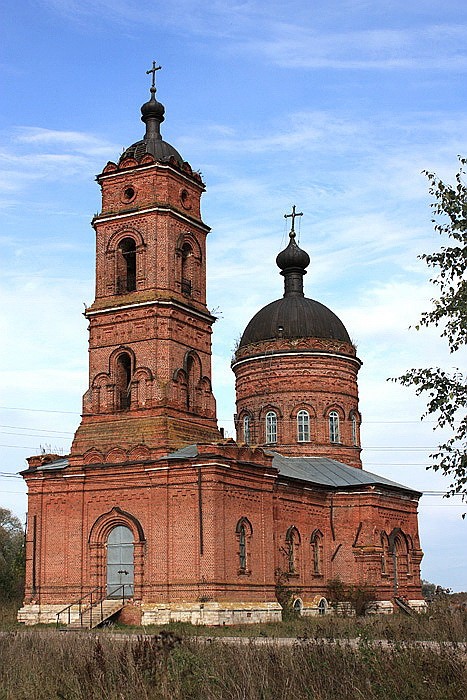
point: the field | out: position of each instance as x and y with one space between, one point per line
317 663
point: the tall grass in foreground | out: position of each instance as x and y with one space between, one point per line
45 665
8 612
440 624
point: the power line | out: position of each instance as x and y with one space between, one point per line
40 430
38 410
45 435
230 419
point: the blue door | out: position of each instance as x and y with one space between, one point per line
120 563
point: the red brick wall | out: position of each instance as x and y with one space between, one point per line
184 515
289 375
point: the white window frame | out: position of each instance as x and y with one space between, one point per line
334 427
271 427
246 430
353 419
303 426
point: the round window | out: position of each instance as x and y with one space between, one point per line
185 199
129 193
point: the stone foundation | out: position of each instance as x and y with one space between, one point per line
419 606
34 614
379 607
210 613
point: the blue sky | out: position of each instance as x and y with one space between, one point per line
335 106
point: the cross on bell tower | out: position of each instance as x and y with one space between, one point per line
149 326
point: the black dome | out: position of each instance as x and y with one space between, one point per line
161 150
294 317
293 257
152 114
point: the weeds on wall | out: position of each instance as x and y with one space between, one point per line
357 596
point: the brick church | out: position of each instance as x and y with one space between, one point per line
154 514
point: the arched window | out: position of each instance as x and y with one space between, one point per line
292 539
400 557
316 542
246 430
126 266
271 427
384 554
303 426
193 374
243 532
334 429
353 419
322 606
187 270
242 546
123 381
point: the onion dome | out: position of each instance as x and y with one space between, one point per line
152 114
293 257
294 316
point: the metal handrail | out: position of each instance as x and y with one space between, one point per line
79 603
92 604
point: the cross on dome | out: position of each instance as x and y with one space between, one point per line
153 71
293 216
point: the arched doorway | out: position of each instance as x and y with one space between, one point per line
120 563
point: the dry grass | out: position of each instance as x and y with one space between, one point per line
440 624
44 665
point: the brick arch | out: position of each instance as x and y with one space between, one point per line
399 549
97 550
93 456
303 406
382 541
243 533
180 387
188 259
120 234
122 376
244 521
97 399
317 551
396 536
192 357
355 412
125 268
143 373
143 387
334 407
291 532
269 407
293 541
240 426
188 237
106 522
119 351
139 453
99 379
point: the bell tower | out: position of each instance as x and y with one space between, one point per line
149 326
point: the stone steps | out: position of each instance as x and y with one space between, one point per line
92 617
